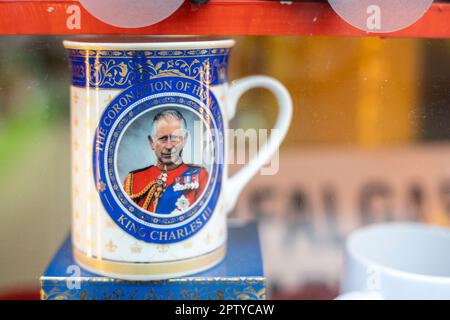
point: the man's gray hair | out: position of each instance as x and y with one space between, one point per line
168 114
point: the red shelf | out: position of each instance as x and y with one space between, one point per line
218 17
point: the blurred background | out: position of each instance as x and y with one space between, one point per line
369 143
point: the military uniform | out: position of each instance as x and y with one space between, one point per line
161 191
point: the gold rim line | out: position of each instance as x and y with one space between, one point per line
147 57
114 47
79 44
156 268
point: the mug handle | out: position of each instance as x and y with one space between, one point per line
238 181
360 295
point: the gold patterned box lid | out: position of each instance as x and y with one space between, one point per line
239 277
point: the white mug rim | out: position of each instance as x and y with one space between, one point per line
147 43
362 259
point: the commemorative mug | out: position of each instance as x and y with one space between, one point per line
149 121
397 261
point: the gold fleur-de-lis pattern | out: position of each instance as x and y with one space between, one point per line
108 99
208 238
111 246
75 97
187 244
136 248
163 248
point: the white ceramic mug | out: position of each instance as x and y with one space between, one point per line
150 116
397 261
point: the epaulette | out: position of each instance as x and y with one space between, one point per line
142 169
194 166
195 169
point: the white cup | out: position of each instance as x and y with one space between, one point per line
151 190
397 261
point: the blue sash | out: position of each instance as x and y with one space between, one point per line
167 202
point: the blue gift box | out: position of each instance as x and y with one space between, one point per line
239 277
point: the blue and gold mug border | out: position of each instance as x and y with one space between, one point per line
119 69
